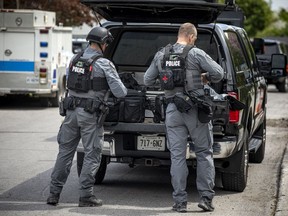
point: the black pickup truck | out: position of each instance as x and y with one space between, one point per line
264 49
140 29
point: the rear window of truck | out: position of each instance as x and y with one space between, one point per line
138 48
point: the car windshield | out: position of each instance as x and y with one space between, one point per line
271 48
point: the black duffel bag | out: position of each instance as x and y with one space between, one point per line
128 109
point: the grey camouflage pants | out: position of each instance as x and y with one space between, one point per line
179 126
78 124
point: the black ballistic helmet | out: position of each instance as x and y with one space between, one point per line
100 35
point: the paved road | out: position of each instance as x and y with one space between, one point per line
28 150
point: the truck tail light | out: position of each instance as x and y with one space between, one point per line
234 115
43 75
287 69
44 31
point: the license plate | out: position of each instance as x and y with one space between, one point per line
151 143
32 80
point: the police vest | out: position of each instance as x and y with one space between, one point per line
173 72
79 78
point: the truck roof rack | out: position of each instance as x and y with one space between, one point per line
232 15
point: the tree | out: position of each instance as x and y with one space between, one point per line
68 12
283 15
258 15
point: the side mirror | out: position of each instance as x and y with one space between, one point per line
278 65
258 46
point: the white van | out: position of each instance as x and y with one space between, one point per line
34 54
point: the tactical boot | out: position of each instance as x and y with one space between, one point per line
180 207
89 201
206 204
53 199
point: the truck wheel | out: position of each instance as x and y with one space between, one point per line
44 102
55 100
101 171
258 156
237 181
281 86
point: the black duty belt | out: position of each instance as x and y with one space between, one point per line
80 102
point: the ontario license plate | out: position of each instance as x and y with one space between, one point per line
151 143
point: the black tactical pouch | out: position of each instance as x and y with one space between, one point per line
92 105
182 104
205 110
235 104
69 103
128 109
160 108
62 110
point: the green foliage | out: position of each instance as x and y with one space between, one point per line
258 15
278 28
261 21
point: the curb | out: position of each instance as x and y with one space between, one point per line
282 207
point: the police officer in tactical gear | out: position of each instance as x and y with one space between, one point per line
90 77
199 69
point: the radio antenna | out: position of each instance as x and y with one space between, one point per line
97 18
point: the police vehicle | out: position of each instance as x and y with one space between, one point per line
34 54
140 29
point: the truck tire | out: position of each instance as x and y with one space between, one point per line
258 156
44 102
237 181
99 177
281 86
55 100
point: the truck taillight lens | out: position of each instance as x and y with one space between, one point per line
44 31
234 115
43 75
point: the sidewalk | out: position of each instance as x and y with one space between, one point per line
282 207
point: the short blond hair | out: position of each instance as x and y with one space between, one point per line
187 29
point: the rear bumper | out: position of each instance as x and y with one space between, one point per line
273 80
115 147
26 91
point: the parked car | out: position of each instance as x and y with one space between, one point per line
264 49
140 29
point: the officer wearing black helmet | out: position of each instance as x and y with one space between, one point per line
90 78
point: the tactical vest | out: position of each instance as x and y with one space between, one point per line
79 78
173 72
